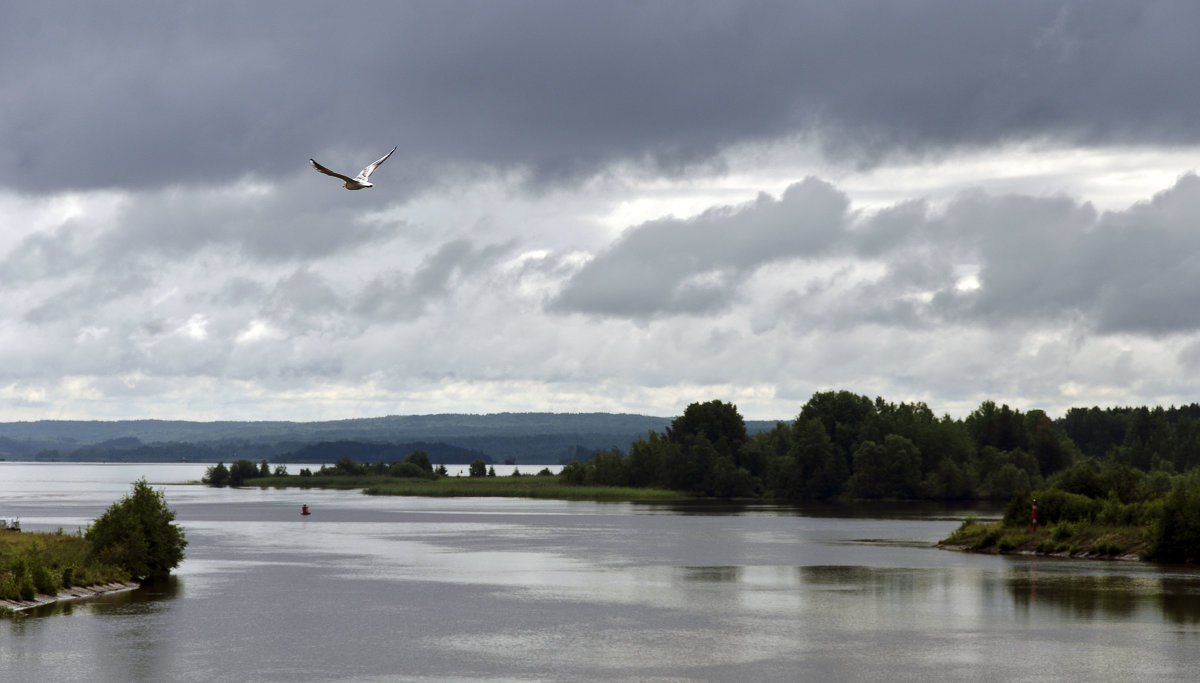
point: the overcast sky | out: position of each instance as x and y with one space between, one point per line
600 206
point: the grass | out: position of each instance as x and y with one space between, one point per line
1077 539
40 562
528 486
516 487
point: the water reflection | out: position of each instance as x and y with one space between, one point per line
711 574
473 590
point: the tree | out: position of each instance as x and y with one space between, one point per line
407 470
217 475
478 468
820 473
137 533
264 470
716 421
241 470
421 459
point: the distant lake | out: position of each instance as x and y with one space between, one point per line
420 589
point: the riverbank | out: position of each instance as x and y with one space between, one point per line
1067 539
72 593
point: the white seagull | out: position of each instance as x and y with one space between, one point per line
358 182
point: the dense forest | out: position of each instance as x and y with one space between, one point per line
843 445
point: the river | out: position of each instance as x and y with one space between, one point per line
421 589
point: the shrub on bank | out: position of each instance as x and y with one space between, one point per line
137 534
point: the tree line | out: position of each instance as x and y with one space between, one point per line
846 446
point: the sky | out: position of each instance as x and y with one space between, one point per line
596 207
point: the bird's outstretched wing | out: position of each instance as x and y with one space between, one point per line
326 171
366 172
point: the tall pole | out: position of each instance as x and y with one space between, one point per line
1035 514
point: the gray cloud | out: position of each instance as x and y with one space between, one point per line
136 95
982 259
694 266
398 295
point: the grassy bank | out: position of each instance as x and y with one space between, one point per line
34 562
1065 539
466 487
516 487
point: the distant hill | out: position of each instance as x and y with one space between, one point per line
524 438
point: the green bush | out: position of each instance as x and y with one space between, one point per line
1053 506
44 580
217 475
1063 531
1176 535
18 585
136 533
408 470
421 459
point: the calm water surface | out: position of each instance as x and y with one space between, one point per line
412 589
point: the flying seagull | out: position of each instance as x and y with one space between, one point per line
358 182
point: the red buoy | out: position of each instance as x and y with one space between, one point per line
304 510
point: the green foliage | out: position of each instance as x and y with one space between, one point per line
37 562
18 582
217 475
478 468
137 534
717 422
421 459
891 470
1053 506
812 469
1063 531
407 469
1176 536
346 465
241 470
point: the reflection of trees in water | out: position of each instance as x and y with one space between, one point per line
878 580
1081 595
712 574
1180 599
1108 595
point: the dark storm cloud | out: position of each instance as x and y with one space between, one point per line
150 94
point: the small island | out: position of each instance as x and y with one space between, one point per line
135 541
